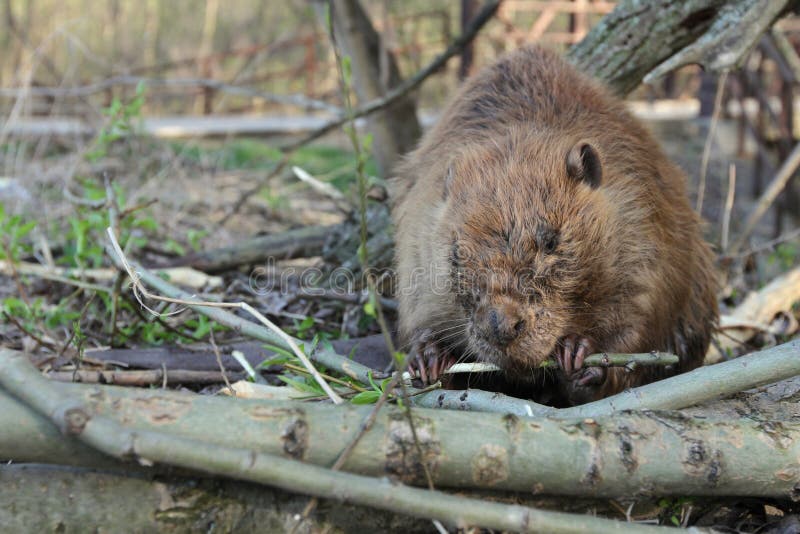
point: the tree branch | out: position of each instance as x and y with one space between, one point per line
76 418
660 453
483 16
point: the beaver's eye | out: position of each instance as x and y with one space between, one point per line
546 239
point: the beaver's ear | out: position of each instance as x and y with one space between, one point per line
448 182
583 164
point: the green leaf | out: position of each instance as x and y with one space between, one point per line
278 360
194 237
146 223
369 308
173 246
373 384
306 387
305 324
203 326
366 397
366 143
280 350
314 343
24 229
385 382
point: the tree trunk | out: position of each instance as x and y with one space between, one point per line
396 129
641 36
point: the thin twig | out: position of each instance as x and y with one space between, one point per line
712 129
766 245
775 187
345 383
139 288
136 207
219 362
363 255
726 214
349 118
298 100
136 309
42 342
317 185
113 221
455 48
601 359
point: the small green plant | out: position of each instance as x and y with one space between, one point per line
300 382
194 237
36 314
303 327
124 123
14 231
371 396
673 509
202 326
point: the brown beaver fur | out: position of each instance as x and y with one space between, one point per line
538 219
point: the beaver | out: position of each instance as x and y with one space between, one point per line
538 219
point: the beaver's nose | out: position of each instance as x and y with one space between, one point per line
500 327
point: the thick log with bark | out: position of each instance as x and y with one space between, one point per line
630 453
142 503
299 242
654 36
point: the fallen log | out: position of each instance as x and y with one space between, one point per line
32 499
296 243
77 417
626 454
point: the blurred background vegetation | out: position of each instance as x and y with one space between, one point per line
277 46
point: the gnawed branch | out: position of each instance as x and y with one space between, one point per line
78 416
621 455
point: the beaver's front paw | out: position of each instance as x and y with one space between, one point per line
426 360
580 384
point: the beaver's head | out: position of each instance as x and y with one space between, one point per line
531 243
